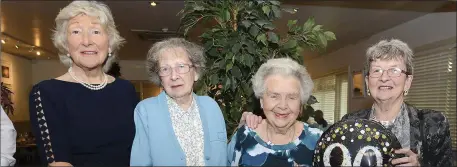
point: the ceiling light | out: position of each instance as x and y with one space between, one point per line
38 53
3 41
153 3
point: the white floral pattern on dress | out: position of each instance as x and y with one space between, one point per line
189 131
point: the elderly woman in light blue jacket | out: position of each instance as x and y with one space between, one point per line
178 128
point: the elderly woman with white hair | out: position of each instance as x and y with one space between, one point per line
423 133
178 128
84 117
283 86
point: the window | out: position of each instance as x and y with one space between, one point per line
434 83
331 91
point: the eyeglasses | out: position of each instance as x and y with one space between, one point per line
391 72
181 69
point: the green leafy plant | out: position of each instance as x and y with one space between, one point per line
240 37
6 101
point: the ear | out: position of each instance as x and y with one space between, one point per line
366 83
409 80
196 76
261 103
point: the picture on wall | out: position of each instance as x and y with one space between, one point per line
5 72
7 75
358 84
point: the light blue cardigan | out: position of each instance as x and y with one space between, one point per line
155 142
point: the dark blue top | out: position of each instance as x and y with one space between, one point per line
74 124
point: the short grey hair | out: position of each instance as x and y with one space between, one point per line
392 49
287 67
90 8
194 51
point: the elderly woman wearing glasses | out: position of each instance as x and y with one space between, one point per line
424 134
178 128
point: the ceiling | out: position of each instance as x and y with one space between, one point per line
30 23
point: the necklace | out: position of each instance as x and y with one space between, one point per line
293 135
89 86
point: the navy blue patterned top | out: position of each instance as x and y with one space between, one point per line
250 150
74 124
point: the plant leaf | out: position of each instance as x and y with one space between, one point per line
236 72
317 28
290 44
214 79
308 24
261 22
330 36
272 37
266 9
254 30
322 40
262 38
291 23
246 23
228 66
269 26
276 11
226 15
236 47
277 3
248 60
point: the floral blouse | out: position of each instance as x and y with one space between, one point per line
189 131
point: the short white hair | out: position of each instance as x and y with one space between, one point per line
89 8
286 67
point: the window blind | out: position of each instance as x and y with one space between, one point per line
434 84
331 92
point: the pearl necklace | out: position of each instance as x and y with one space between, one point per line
89 86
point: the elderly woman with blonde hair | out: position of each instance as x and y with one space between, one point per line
178 128
84 117
283 86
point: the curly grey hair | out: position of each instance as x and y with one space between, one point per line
90 8
194 51
283 66
392 49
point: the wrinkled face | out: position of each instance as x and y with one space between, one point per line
387 87
87 41
181 74
281 100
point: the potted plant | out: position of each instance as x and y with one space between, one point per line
240 38
6 101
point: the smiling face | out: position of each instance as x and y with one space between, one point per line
87 42
385 87
176 84
281 100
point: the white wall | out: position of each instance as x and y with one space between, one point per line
421 31
47 69
21 74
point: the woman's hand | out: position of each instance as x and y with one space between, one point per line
411 159
250 119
